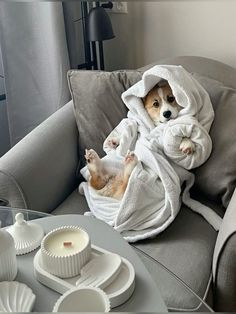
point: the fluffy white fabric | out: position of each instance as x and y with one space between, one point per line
153 195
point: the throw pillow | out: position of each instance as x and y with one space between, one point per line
217 177
97 104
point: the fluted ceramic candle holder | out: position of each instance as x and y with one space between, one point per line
65 251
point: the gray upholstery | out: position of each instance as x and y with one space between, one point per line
40 173
97 101
187 253
215 181
75 203
211 68
224 266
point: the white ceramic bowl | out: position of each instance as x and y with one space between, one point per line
86 299
65 251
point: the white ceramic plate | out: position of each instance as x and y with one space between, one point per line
119 291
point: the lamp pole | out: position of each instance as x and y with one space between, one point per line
101 55
96 28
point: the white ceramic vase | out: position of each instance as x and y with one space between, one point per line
8 264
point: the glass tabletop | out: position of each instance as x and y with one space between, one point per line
163 277
7 215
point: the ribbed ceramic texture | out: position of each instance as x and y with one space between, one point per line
26 246
27 235
15 297
8 264
65 266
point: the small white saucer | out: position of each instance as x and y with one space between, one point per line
83 300
119 291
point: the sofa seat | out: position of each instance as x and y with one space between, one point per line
186 247
75 203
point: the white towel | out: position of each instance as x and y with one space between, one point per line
152 198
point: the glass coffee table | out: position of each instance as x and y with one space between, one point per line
147 294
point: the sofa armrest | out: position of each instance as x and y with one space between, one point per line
40 171
224 261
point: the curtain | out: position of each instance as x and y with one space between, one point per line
35 60
74 32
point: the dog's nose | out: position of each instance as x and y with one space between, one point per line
167 114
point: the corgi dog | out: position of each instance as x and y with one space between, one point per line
161 106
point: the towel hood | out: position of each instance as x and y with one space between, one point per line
187 90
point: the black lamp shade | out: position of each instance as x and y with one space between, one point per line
99 25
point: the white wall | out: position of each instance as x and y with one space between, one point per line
118 52
164 29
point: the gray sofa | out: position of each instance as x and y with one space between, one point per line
41 173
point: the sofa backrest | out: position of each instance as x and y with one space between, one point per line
204 66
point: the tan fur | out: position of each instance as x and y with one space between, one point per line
108 184
154 96
162 94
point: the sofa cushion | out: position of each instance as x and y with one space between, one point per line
186 248
97 103
75 203
217 177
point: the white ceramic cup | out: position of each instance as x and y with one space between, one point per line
85 299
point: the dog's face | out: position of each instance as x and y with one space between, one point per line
160 103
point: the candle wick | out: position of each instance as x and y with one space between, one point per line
67 244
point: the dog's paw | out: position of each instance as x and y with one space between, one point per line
112 142
91 156
187 146
130 161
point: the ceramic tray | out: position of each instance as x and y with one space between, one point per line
119 291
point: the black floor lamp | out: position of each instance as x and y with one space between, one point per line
97 27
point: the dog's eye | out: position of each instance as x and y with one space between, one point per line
156 104
170 99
